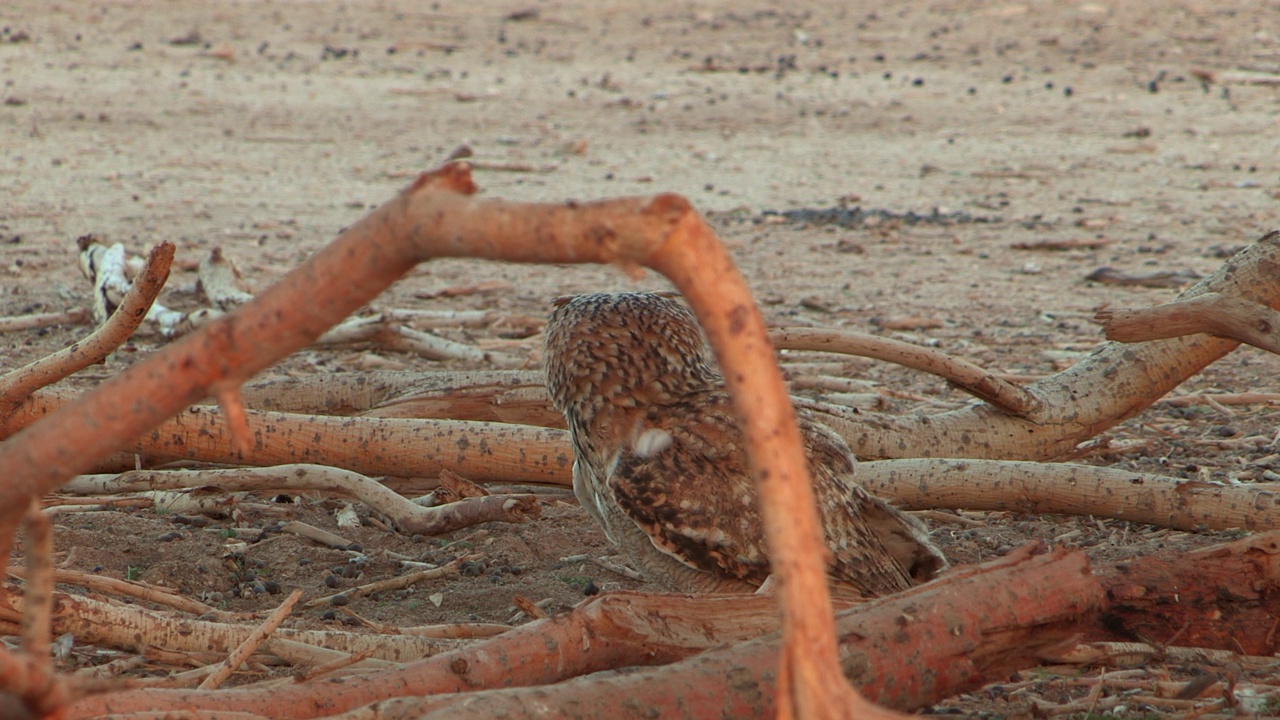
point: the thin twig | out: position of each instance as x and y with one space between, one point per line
395 583
251 643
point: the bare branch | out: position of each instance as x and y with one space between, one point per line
963 374
373 446
14 323
407 516
251 643
1029 487
1214 313
117 328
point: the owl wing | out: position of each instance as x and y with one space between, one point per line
696 500
691 494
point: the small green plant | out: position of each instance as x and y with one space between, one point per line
576 581
133 572
227 533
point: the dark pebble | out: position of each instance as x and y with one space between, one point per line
340 600
591 588
169 536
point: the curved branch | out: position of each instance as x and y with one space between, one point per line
1007 396
19 384
1115 382
810 683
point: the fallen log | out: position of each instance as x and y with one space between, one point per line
1225 597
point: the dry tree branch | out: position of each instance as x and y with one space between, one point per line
220 281
384 331
104 266
371 446
31 682
131 588
395 583
1029 487
1246 398
14 323
507 396
37 612
971 378
251 643
1213 313
1113 383
19 384
316 535
810 682
407 516
1221 597
916 483
437 217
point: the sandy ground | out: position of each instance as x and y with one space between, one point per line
959 128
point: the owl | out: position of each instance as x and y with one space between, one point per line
660 463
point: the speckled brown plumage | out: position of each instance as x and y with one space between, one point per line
660 462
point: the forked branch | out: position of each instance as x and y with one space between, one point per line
1213 313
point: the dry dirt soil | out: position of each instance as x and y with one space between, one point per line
939 136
